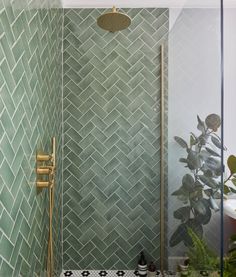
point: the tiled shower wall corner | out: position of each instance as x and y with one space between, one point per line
112 130
30 114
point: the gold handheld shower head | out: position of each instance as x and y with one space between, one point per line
113 21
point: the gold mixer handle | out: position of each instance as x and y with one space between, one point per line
46 170
43 157
43 184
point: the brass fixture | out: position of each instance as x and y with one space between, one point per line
43 184
162 162
43 157
113 21
45 170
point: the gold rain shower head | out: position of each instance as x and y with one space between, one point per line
114 21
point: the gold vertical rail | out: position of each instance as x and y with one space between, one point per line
162 162
50 261
50 248
52 199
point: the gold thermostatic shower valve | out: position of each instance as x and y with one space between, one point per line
45 168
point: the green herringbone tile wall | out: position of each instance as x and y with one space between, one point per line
30 114
111 139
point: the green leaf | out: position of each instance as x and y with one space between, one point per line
178 235
182 213
201 125
213 204
181 142
182 195
226 189
214 165
193 141
197 191
194 161
216 142
196 227
188 182
203 139
183 160
213 153
231 162
233 190
208 181
181 233
233 180
213 122
199 207
208 192
179 191
208 173
204 155
204 219
183 198
217 194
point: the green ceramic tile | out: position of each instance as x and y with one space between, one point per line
6 222
27 123
99 243
89 234
110 214
6 248
6 270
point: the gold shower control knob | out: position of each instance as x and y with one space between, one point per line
44 170
43 184
43 157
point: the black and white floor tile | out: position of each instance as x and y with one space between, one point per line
108 273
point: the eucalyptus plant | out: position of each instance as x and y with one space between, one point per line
201 186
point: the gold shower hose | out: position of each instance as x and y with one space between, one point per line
46 167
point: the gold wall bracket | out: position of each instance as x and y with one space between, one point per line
45 171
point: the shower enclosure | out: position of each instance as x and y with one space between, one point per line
138 119
113 205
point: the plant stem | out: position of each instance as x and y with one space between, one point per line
228 178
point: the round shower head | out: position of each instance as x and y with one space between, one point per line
113 21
